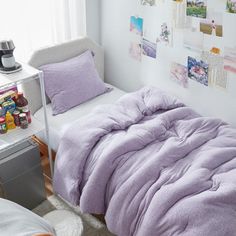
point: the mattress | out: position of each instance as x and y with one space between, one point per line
57 124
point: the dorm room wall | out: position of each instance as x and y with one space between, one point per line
93 18
128 74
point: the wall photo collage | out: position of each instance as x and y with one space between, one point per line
199 23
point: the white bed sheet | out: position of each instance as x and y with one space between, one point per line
57 124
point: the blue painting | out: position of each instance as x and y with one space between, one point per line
198 71
136 25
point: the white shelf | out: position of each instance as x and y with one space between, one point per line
17 135
26 73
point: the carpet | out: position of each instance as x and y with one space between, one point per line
92 226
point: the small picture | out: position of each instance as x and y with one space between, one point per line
136 25
135 51
149 48
230 60
198 71
178 0
231 6
165 35
193 40
179 74
213 25
148 2
197 8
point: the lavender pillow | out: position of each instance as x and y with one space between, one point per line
72 82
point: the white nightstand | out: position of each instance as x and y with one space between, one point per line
13 137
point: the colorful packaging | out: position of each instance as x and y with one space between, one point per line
9 105
3 126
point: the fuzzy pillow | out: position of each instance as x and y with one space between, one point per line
72 82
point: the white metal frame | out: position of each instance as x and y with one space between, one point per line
20 78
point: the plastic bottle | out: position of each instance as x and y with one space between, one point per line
21 102
10 121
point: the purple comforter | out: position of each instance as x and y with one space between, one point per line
153 166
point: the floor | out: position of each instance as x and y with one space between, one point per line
92 226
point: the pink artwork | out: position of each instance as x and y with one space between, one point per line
179 74
230 60
135 51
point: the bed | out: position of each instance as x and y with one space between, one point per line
59 123
59 53
150 164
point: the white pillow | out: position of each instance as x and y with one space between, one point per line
18 221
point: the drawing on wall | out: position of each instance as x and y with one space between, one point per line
197 8
165 35
148 2
149 48
231 6
198 71
135 51
178 0
230 60
193 40
179 74
136 25
179 14
216 74
213 25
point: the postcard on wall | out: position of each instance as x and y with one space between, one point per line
165 36
216 74
179 14
148 2
221 80
179 74
198 70
213 25
231 6
230 60
149 48
136 25
135 51
193 40
197 8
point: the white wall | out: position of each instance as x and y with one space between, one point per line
93 9
128 74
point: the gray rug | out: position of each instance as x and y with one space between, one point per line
92 226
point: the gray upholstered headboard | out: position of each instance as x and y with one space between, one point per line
60 53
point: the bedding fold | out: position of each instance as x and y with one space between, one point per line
152 166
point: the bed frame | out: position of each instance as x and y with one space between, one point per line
53 54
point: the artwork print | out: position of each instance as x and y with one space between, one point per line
197 8
148 2
231 6
135 51
165 35
136 25
149 48
193 40
179 74
198 71
230 60
213 25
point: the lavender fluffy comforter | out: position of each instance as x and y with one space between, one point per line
153 166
